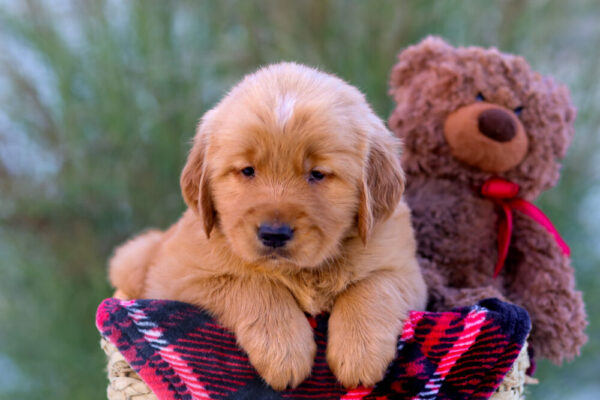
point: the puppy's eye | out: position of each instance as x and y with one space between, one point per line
315 176
518 111
479 97
248 171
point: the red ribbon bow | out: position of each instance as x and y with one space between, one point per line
504 194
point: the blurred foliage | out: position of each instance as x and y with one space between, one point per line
98 102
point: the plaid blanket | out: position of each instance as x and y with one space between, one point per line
183 354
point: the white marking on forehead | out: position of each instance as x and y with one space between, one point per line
284 109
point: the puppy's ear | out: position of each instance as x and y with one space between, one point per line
383 181
194 180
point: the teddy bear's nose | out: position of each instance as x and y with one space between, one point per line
497 125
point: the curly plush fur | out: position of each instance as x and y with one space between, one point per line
456 227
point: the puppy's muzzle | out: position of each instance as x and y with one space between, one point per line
275 235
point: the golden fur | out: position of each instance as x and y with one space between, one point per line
352 253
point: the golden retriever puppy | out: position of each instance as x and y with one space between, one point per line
293 188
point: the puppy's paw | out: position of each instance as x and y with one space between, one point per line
359 354
283 354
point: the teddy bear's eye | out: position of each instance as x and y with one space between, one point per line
248 171
518 111
479 97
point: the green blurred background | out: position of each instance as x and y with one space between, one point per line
98 102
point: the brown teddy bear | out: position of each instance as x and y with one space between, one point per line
483 134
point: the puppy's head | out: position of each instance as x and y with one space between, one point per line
290 164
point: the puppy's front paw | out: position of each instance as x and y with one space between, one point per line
359 354
282 354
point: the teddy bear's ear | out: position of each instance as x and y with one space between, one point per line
566 119
415 59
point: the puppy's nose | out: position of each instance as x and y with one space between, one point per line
275 234
497 125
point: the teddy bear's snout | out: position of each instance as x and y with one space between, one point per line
487 136
497 124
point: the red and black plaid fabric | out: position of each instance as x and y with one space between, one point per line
182 354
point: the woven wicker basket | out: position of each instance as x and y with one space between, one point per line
125 384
